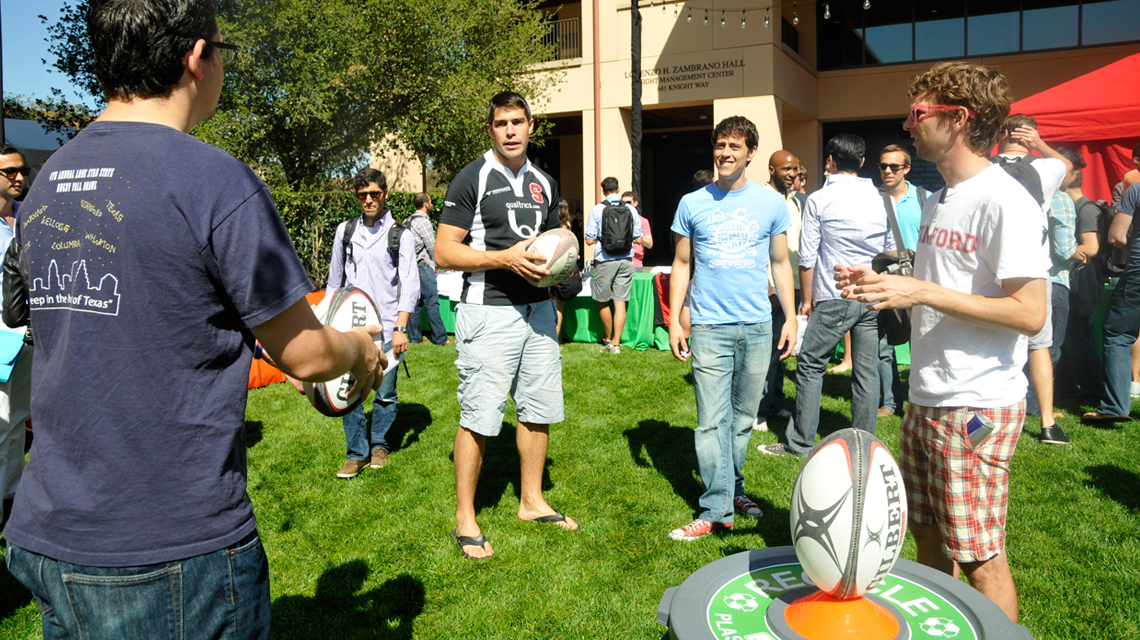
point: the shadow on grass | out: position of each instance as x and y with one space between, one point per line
386 612
411 421
1118 484
671 453
501 469
252 433
13 595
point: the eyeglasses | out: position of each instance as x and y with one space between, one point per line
920 112
364 195
227 51
11 172
627 201
893 167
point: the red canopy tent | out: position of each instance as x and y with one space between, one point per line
1099 115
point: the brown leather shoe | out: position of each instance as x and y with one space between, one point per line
351 468
379 458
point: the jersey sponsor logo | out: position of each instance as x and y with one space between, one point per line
497 191
523 230
536 192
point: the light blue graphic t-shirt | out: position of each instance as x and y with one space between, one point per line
731 233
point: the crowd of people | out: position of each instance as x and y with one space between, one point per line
124 490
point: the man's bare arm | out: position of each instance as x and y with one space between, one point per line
678 287
1118 231
451 253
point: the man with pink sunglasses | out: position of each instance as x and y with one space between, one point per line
978 291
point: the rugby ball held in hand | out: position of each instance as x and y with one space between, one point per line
848 514
560 248
343 309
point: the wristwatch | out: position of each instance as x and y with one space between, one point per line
400 329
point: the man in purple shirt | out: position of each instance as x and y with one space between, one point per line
394 285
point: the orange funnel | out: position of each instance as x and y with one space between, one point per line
818 616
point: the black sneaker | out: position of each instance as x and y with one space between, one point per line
1054 435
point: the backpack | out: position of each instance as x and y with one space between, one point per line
1022 171
1110 260
394 234
617 228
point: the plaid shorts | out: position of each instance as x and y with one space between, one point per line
961 488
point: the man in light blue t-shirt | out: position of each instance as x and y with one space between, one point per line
728 231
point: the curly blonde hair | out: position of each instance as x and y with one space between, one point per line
982 90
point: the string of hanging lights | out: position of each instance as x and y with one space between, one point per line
744 11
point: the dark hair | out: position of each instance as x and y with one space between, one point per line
737 127
631 195
138 45
564 217
702 179
847 150
1018 120
609 185
8 150
894 148
1073 156
1136 151
978 88
1078 181
420 200
506 99
367 176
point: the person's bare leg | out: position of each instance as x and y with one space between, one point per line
845 364
993 578
1136 361
607 321
558 330
468 454
619 322
532 440
1041 377
928 542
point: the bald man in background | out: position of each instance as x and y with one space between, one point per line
783 168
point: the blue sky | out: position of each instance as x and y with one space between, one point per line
24 46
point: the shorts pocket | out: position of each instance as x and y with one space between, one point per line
146 605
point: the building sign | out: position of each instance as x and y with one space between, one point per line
691 75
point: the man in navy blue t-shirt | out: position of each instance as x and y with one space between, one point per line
154 261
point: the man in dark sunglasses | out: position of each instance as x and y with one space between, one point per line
148 290
15 392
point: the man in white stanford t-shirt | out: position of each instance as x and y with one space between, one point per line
977 294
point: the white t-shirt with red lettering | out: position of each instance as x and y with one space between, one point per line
971 238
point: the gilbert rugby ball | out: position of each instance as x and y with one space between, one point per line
560 248
848 514
343 309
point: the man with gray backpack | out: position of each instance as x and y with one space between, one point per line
612 229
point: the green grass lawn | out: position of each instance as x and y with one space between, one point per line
371 557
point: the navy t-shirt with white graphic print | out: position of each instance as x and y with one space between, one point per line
499 210
149 252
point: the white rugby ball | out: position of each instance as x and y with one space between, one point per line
560 248
848 514
343 309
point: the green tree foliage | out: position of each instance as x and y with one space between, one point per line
318 80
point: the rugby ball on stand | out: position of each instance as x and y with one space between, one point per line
560 248
343 309
848 514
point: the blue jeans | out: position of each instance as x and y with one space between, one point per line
429 301
829 321
730 362
383 415
773 400
1121 327
224 594
1060 318
889 385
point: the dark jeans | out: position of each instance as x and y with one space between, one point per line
829 321
384 407
429 301
1080 369
1121 327
224 595
1060 309
889 385
773 400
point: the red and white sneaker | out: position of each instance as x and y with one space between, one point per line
697 529
746 507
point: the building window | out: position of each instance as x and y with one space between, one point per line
922 30
789 35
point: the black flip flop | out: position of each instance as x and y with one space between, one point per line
1103 418
468 541
555 518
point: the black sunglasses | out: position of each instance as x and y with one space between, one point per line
894 167
12 171
227 51
363 195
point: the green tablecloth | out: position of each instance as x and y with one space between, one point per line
581 323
